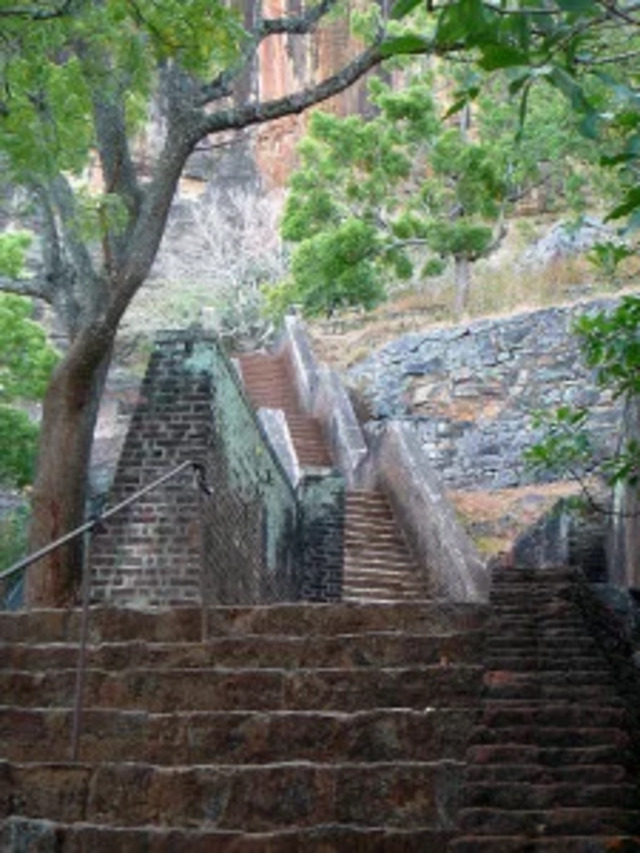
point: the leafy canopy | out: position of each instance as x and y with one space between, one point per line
51 70
374 197
26 362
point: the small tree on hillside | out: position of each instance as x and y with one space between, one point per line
379 199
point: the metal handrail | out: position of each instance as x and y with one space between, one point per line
99 518
95 522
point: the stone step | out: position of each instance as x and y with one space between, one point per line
526 844
585 693
237 737
354 579
560 648
553 715
561 821
184 624
525 796
496 679
379 594
250 798
532 662
249 689
17 833
393 573
546 744
383 648
535 774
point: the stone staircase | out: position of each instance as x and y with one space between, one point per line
293 727
268 384
377 562
551 765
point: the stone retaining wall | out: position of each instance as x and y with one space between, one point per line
469 391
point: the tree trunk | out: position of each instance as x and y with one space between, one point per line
463 284
60 490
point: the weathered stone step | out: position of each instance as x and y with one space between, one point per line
249 689
558 715
549 678
372 557
409 588
391 573
380 594
561 821
522 795
238 737
184 624
87 838
383 648
526 844
548 575
585 693
534 774
546 744
251 798
529 662
562 649
525 628
365 537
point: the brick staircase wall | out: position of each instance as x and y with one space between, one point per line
151 552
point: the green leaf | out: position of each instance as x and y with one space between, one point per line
402 8
406 44
495 56
576 5
630 204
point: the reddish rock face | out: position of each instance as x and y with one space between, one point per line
287 64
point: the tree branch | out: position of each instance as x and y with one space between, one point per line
222 86
257 113
38 287
297 24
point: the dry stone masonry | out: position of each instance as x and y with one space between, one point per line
470 391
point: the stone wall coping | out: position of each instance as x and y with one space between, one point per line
322 394
275 426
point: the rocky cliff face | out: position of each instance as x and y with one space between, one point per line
289 63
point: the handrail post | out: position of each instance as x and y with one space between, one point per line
82 646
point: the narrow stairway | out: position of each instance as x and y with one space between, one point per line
377 562
268 384
549 763
294 727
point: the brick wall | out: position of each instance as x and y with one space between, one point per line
253 539
322 536
151 552
251 518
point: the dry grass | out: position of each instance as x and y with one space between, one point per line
501 286
495 519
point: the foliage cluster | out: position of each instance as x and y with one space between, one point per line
610 345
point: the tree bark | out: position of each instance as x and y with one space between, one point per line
60 491
463 283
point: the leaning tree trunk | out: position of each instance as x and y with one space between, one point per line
60 490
